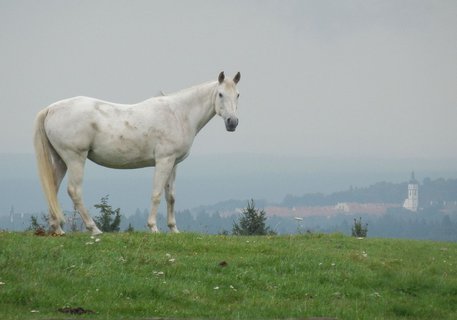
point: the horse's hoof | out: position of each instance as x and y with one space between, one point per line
96 231
58 232
55 228
174 230
154 229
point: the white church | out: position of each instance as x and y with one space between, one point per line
412 203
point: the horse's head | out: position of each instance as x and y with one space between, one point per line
226 103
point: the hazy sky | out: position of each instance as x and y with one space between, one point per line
318 78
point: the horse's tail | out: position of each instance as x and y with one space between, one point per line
46 158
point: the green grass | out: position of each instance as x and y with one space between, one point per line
141 275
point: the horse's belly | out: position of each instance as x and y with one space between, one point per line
120 160
131 152
123 153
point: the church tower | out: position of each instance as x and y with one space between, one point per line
412 203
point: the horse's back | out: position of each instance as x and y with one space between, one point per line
81 107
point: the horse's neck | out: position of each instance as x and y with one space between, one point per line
196 105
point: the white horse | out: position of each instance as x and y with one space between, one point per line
157 132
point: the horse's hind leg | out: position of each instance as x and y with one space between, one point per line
60 169
75 179
170 197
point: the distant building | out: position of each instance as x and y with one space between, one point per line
412 202
342 206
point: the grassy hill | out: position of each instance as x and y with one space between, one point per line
140 275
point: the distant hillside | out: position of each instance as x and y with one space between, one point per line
209 179
431 192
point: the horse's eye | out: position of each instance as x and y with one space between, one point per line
238 95
220 95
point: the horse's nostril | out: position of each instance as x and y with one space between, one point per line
232 121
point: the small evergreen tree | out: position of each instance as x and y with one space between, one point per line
358 229
130 228
35 225
251 222
109 220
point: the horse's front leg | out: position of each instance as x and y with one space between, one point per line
170 197
162 173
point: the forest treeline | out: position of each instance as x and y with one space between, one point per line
435 220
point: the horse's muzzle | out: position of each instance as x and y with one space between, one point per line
231 123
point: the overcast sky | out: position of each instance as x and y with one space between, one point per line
318 78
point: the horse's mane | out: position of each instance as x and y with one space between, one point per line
192 88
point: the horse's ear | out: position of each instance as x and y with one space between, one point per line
237 77
221 77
